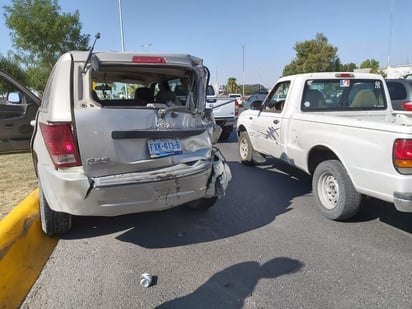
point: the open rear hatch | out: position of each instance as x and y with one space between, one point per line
118 134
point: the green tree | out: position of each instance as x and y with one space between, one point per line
40 34
232 86
12 67
315 55
349 67
371 64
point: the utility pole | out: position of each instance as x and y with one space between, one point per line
121 24
390 34
243 76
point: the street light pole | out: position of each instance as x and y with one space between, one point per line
121 24
243 77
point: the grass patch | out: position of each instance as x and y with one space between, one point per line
17 180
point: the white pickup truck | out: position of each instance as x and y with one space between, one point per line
225 111
341 129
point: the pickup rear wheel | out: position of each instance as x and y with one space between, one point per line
334 192
52 222
245 148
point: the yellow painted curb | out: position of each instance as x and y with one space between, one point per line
24 249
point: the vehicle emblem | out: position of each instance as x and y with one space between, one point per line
95 161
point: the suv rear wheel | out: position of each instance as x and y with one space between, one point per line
52 222
202 204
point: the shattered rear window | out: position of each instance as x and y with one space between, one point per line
142 88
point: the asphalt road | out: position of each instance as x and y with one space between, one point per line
264 245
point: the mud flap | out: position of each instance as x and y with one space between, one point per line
220 176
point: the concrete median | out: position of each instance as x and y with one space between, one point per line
24 250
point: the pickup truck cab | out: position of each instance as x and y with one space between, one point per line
341 129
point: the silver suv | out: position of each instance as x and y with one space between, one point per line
107 144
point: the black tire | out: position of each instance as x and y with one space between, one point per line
333 191
226 131
202 204
52 222
245 148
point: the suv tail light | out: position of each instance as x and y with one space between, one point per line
407 105
60 144
402 155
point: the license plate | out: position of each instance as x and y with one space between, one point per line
164 147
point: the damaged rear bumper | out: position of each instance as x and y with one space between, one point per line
136 192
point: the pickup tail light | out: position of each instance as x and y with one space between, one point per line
344 75
407 105
236 108
402 155
60 144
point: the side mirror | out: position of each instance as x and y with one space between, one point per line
14 97
256 105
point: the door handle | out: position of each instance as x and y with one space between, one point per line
275 121
9 125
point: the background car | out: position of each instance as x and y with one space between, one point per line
400 91
18 107
253 98
238 97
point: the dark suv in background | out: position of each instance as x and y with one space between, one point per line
400 91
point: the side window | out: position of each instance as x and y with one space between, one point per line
12 101
9 94
276 100
397 91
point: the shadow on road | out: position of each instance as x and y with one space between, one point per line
230 287
372 209
253 200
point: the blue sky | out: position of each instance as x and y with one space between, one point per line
250 40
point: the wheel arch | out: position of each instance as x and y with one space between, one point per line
240 129
319 154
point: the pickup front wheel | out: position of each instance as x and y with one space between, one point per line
245 148
334 192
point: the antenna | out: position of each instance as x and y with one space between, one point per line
97 36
